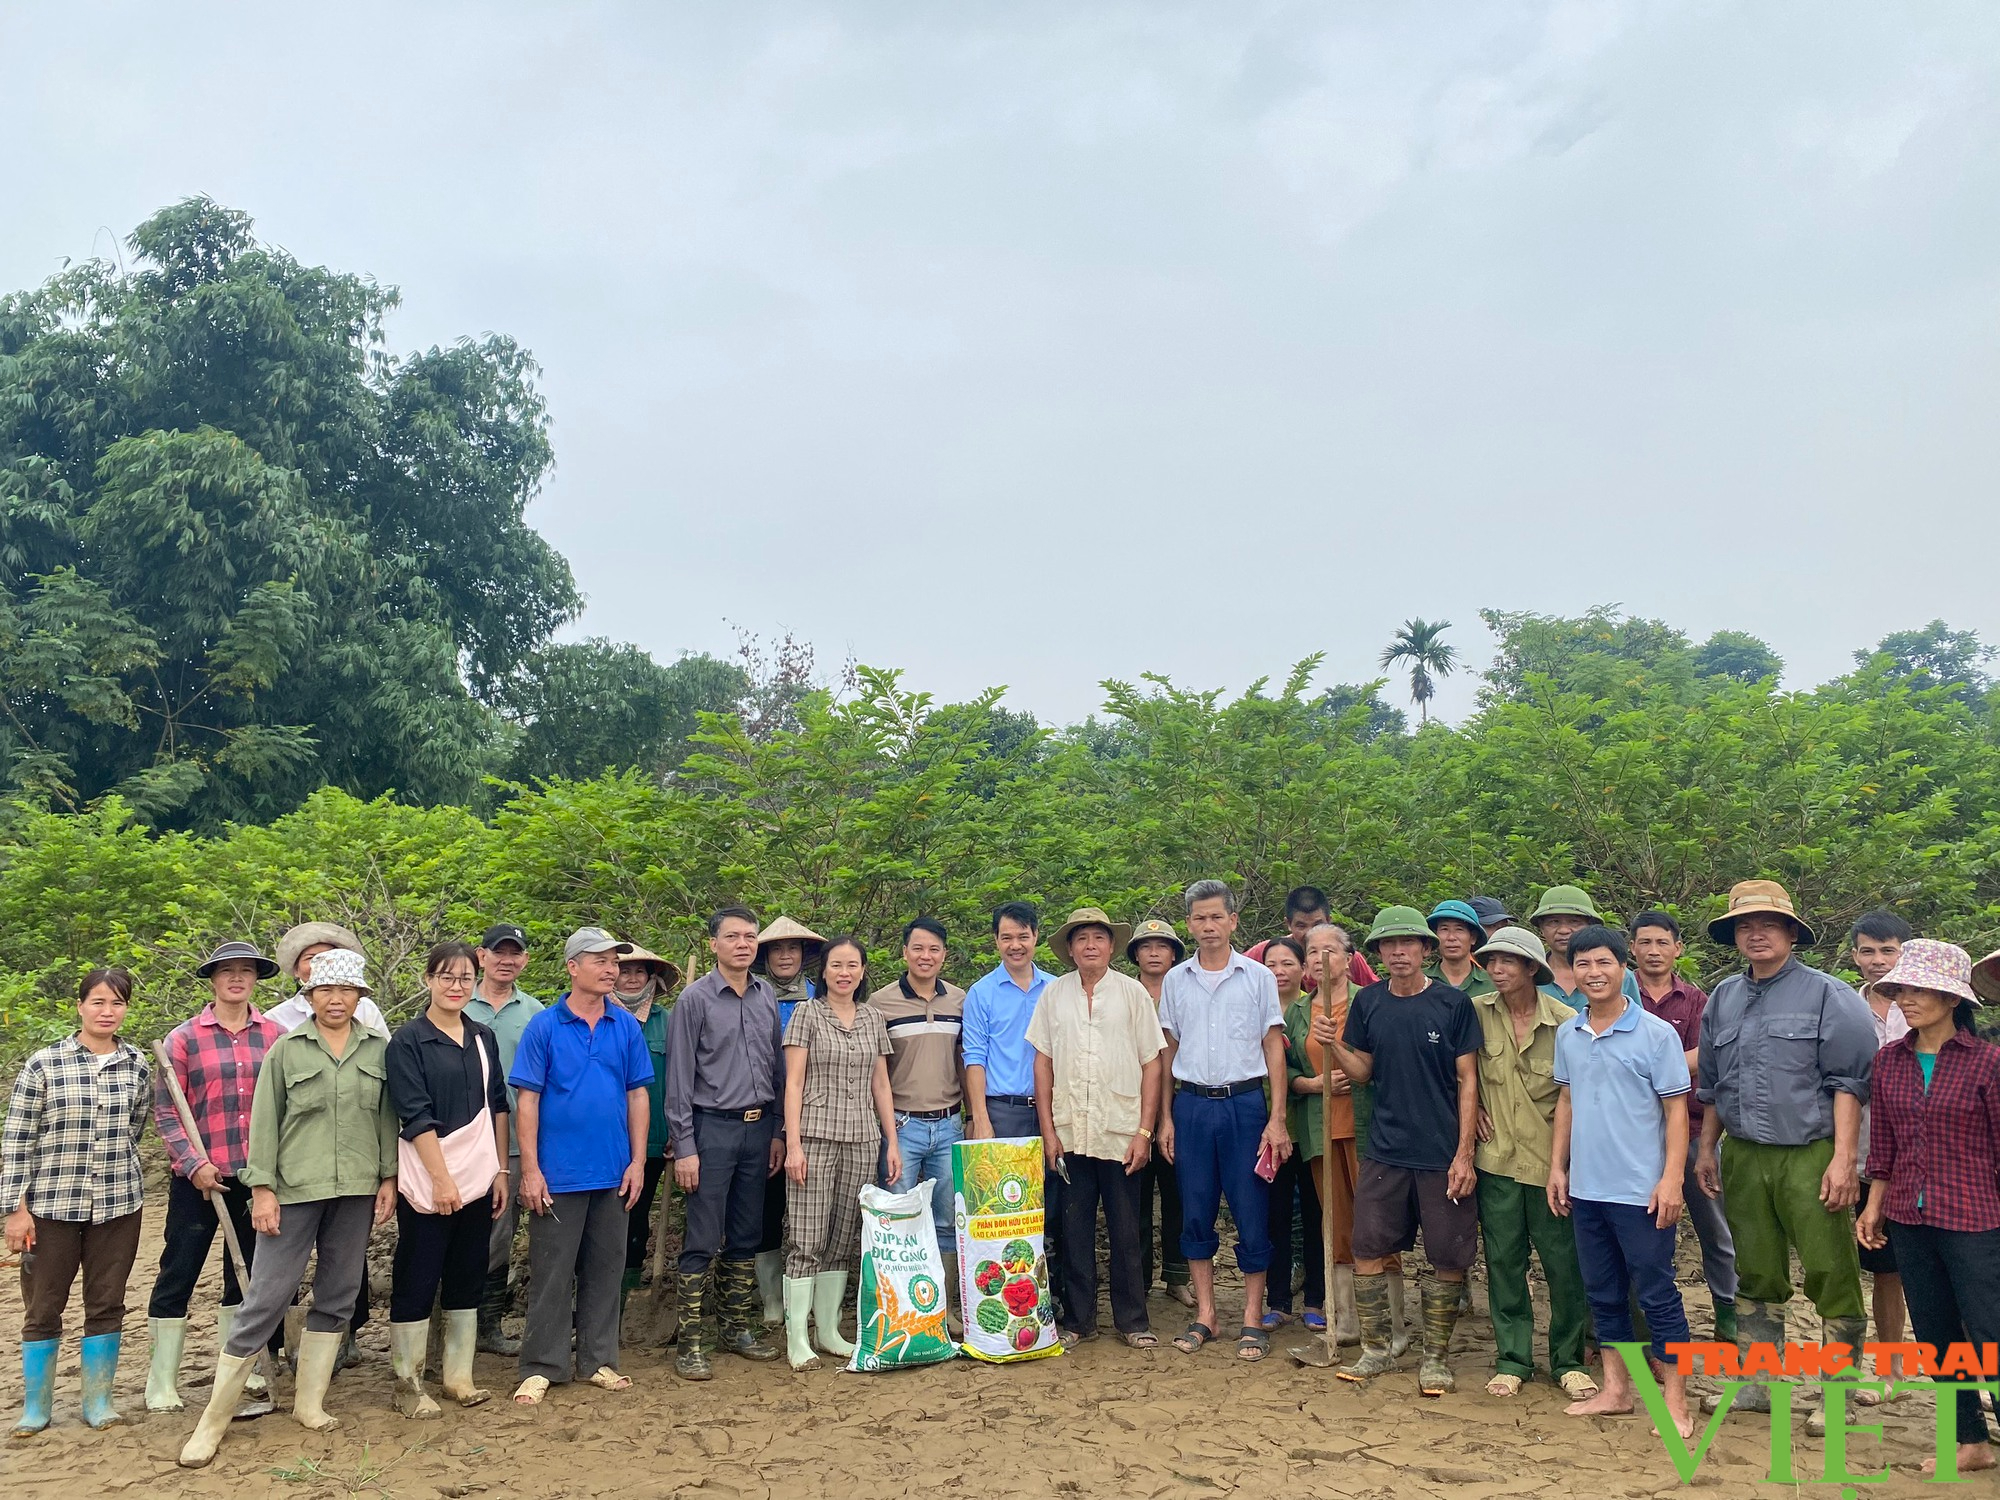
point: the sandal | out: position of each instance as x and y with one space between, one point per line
1252 1344
608 1379
1504 1385
1197 1334
1141 1340
1275 1317
1069 1338
1314 1319
530 1391
1577 1385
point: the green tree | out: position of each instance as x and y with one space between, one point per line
1421 644
1935 656
1736 654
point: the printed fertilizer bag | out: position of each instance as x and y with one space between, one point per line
900 1320
1003 1273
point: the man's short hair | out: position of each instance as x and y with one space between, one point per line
925 924
1016 911
716 920
1304 899
1653 918
1599 936
1883 926
1208 890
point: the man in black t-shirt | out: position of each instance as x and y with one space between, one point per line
1417 1039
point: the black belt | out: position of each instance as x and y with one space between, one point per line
748 1116
1023 1101
929 1114
1218 1090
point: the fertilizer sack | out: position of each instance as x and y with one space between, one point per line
1002 1266
902 1301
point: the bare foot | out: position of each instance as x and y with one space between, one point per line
1970 1456
1603 1404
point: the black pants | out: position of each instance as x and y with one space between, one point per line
1293 1187
439 1258
190 1233
1951 1281
641 1217
1162 1180
1093 1180
725 1212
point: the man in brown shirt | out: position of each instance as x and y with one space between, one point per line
926 1074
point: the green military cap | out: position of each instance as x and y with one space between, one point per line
1398 921
1566 901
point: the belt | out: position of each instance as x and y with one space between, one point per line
1218 1090
1022 1101
748 1116
929 1114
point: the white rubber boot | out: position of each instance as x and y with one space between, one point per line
407 1343
257 1400
230 1373
829 1298
317 1356
798 1313
169 1336
461 1335
770 1284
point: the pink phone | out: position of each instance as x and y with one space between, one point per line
1267 1162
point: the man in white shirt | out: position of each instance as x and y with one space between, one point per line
296 951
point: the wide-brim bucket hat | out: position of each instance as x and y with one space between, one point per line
1457 911
1986 977
1521 943
1565 901
230 952
784 929
1153 927
310 935
1398 921
1088 916
668 972
1748 897
1927 964
337 966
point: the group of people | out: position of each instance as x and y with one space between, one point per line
1554 1088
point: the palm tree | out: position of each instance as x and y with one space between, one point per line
1421 644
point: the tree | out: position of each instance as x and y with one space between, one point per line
1935 656
1601 653
1421 644
1737 655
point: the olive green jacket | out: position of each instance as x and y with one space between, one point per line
320 1126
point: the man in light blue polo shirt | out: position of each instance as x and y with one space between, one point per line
1619 1161
580 1076
1226 1055
999 1063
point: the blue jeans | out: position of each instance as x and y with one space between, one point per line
1622 1252
926 1147
1215 1155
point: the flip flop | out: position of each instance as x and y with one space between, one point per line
1314 1319
1577 1385
1141 1340
531 1391
1197 1334
608 1379
1252 1344
1275 1317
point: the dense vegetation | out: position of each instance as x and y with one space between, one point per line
275 643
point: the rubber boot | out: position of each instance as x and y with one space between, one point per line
38 1381
295 1329
99 1358
1725 1320
461 1334
1402 1333
736 1298
407 1342
692 1358
1345 1329
1756 1323
829 1298
498 1303
1852 1332
771 1285
1441 1303
318 1354
257 1400
798 1312
169 1338
1371 1314
350 1351
230 1374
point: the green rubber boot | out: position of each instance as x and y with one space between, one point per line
693 1357
1441 1303
1371 1312
1756 1323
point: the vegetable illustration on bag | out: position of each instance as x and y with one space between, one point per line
902 1293
997 1202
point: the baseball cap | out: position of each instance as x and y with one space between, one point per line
504 932
592 940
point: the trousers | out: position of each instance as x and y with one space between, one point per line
1514 1217
1951 1281
1215 1152
823 1217
102 1252
1622 1252
1094 1180
576 1260
440 1258
1771 1196
190 1234
725 1212
338 1228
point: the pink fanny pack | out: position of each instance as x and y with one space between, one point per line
470 1157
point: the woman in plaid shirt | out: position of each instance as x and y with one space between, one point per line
70 1185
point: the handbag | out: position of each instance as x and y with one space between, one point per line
470 1156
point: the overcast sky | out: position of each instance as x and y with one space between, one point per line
1041 343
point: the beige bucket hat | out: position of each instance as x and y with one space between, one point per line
1748 897
1088 916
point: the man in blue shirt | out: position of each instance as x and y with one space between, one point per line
581 1116
1618 1165
999 1063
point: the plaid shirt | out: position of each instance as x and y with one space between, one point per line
1939 1149
218 1073
71 1148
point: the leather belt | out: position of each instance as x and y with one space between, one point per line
1021 1101
1218 1090
747 1116
928 1114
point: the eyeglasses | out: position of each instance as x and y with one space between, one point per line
456 981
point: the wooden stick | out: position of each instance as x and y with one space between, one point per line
1326 983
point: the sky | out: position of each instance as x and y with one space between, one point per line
1037 344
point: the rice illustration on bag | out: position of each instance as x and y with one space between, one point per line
902 1295
1003 1272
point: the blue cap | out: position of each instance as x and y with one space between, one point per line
1458 911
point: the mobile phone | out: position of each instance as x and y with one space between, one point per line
1267 1162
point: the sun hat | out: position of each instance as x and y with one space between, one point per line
1087 916
1566 901
311 934
1750 896
229 952
1927 964
784 929
666 969
1398 921
1153 927
1986 977
504 932
1457 911
337 966
592 940
1521 943
1491 911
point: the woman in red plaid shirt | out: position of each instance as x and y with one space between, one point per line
1934 1165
